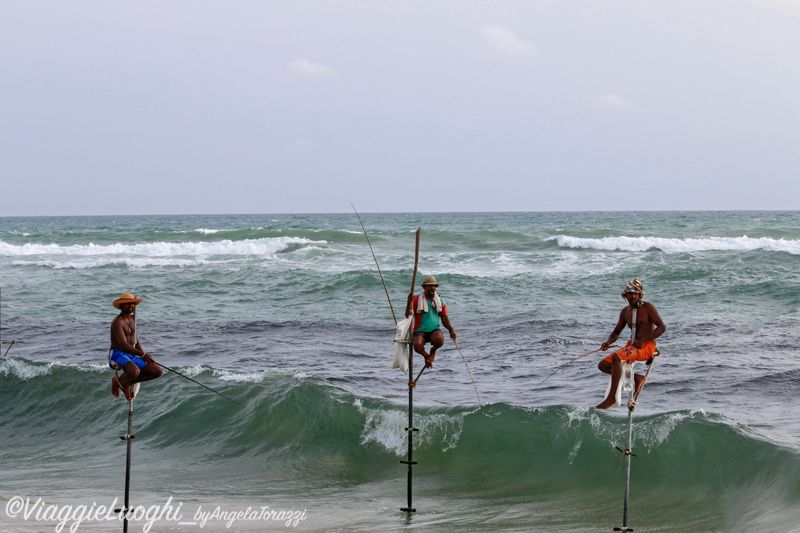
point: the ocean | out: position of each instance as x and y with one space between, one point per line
287 315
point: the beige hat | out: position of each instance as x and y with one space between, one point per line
430 280
127 298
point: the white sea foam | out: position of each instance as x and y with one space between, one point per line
22 369
255 377
26 370
386 427
146 254
641 244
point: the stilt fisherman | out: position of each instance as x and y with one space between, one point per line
649 327
428 309
126 351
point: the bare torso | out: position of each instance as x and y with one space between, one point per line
123 333
648 322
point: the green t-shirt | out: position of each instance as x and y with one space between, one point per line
429 321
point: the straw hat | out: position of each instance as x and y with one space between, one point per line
127 298
430 280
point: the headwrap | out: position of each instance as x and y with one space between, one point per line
635 287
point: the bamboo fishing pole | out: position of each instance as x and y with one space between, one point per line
411 329
376 261
10 343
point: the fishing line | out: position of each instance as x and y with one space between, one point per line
470 373
376 262
414 383
165 367
565 364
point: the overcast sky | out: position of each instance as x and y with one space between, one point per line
271 106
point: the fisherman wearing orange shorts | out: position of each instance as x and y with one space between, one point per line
649 327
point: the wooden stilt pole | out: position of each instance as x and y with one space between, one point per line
411 429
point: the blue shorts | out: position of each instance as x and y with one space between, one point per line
120 358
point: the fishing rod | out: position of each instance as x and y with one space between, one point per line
376 262
565 364
165 367
10 344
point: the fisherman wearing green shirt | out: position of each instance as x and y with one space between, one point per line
428 311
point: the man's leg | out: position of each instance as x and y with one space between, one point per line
419 347
639 381
437 340
616 372
128 377
150 371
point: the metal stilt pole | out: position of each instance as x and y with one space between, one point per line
128 437
410 429
628 453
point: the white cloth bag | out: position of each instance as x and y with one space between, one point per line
401 348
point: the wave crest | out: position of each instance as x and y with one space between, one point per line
643 244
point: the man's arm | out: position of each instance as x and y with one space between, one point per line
656 332
449 326
408 304
615 334
146 356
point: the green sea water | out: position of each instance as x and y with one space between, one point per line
287 315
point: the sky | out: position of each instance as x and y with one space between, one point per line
291 106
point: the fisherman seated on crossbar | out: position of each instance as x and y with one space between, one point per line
126 352
649 327
428 311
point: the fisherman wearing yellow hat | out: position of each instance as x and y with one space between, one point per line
428 309
126 352
649 327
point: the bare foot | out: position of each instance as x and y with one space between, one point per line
429 361
116 385
608 402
